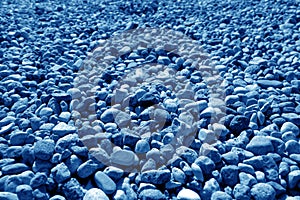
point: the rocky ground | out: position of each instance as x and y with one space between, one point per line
220 120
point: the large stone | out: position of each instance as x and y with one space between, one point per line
105 183
260 145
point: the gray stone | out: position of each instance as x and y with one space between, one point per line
61 173
24 192
156 177
14 168
8 196
105 183
188 194
62 129
219 195
44 149
289 126
241 192
263 191
123 157
151 194
293 178
260 145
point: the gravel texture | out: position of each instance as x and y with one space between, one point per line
228 129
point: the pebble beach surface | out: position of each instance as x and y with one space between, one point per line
225 129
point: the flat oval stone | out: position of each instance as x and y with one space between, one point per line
123 157
105 183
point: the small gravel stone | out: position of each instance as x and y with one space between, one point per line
151 194
238 124
95 194
114 172
260 145
293 178
292 147
105 183
61 173
247 179
86 169
262 191
14 168
44 149
241 192
269 83
123 157
220 196
289 126
24 192
8 196
38 180
209 188
206 164
230 175
62 129
120 195
156 177
188 194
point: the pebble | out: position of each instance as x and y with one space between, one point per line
38 180
230 175
289 126
197 171
206 164
63 129
294 178
238 124
123 157
114 172
44 149
61 173
209 188
260 145
24 192
230 158
241 192
120 195
220 196
262 191
14 168
178 175
292 147
18 138
151 194
86 169
188 194
156 177
8 196
105 183
247 179
269 83
73 190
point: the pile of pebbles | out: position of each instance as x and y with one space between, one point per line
47 150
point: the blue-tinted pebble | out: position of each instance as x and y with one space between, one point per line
24 192
44 149
247 179
72 189
151 194
261 191
209 188
187 194
104 182
8 196
95 194
73 162
241 192
260 145
293 178
219 195
114 173
18 138
206 164
156 177
57 197
86 169
61 173
14 168
230 158
230 175
38 180
62 129
142 146
292 147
